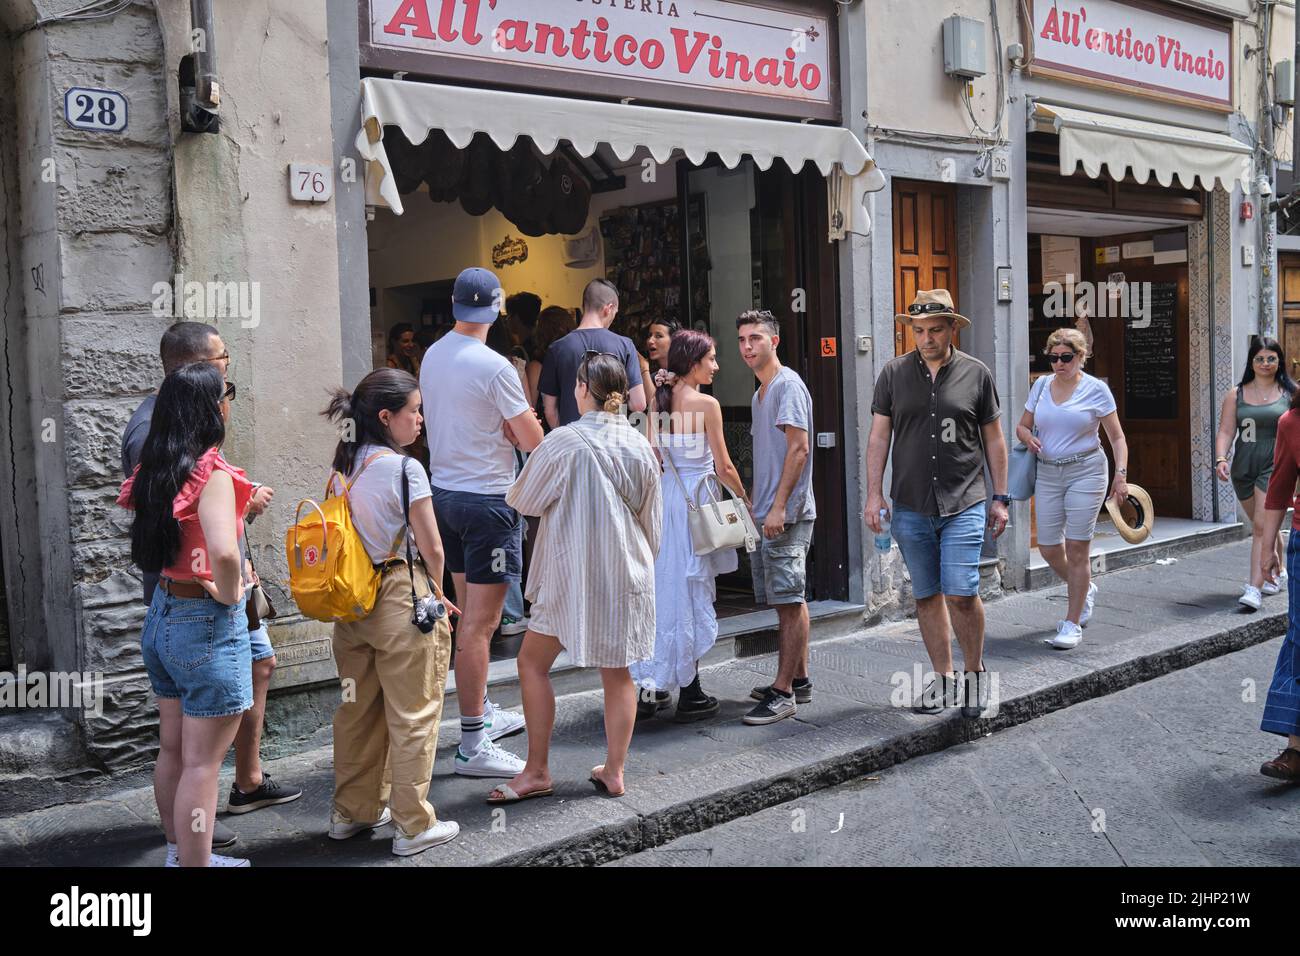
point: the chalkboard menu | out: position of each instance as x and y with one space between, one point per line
1151 358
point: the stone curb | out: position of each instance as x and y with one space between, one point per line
610 842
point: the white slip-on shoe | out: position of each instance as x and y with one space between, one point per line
1088 602
214 860
1068 635
488 761
1251 598
1268 588
502 723
444 831
341 829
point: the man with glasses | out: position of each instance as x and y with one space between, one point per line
592 336
940 407
184 344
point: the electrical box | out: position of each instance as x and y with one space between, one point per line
963 48
1284 83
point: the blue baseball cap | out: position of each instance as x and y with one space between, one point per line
474 298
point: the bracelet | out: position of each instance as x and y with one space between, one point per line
1221 458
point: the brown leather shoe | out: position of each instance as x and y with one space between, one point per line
1285 766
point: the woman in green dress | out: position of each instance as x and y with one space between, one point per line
1248 422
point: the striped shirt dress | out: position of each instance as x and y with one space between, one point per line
592 577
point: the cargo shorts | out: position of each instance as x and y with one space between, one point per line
780 565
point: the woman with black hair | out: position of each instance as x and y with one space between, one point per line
189 507
1251 412
396 671
403 348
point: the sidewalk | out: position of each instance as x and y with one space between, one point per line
685 778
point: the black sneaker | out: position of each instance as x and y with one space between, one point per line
802 692
222 836
774 707
647 707
695 708
268 794
939 694
976 689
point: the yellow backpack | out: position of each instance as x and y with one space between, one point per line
330 574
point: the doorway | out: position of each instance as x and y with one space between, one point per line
1288 297
925 248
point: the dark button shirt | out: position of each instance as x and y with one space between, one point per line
938 451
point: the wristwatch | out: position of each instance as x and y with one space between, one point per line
1005 499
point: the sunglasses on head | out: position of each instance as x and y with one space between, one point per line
927 308
1065 357
587 356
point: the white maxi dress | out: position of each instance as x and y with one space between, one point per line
686 624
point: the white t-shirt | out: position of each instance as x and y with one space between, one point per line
376 501
1069 429
468 392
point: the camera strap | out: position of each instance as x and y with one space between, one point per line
407 533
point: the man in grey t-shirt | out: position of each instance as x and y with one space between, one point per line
784 506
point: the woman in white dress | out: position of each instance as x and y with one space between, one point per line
691 443
595 485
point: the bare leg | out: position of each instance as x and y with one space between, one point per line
1056 558
536 655
1079 578
967 612
620 717
204 742
932 615
792 654
1255 512
167 769
248 742
481 604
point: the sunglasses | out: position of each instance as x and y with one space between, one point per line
587 356
1063 357
1265 359
229 393
927 308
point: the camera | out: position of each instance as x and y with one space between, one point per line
428 612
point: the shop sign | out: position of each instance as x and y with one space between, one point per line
1176 56
756 57
509 251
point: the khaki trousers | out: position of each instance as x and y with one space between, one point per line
386 728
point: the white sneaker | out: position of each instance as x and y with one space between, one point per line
1068 635
488 761
341 829
444 831
1088 602
510 627
502 723
1268 588
1275 586
1251 598
216 859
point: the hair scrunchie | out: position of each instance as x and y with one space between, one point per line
665 377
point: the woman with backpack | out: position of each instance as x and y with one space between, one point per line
595 485
393 671
189 508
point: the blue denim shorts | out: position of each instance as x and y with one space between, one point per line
941 553
260 644
482 536
198 651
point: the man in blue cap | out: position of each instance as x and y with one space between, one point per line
472 400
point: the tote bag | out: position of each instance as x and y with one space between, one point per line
1022 470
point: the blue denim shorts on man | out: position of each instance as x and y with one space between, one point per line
482 536
197 651
941 553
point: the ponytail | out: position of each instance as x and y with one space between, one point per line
358 413
686 350
614 402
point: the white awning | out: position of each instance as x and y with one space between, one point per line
1145 148
461 112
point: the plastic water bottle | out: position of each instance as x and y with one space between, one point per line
883 539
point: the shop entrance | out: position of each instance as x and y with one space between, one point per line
925 248
698 243
1288 268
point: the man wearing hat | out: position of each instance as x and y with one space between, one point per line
940 407
472 400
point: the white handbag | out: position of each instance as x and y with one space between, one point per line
716 524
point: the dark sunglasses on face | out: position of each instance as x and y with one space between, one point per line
1063 357
1265 359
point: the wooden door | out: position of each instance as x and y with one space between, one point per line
1288 297
925 247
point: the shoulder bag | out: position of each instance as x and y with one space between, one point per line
1022 471
716 525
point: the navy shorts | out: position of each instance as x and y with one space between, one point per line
482 536
197 651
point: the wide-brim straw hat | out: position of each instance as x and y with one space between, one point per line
1146 515
930 304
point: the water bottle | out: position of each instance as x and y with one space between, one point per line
883 539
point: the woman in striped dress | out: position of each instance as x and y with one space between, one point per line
595 485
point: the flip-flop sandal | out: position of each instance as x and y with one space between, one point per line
511 797
602 787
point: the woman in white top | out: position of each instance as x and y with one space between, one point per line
595 485
393 674
1066 408
690 440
